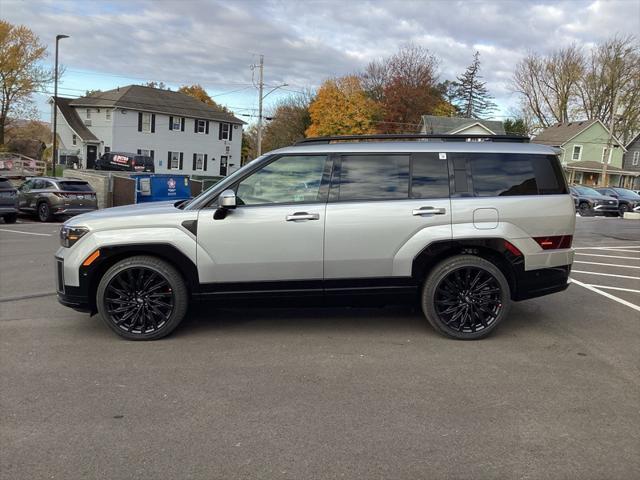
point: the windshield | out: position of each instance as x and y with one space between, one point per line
623 192
587 191
75 187
238 173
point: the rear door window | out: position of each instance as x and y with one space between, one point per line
429 176
374 177
75 187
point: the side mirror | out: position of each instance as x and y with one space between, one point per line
227 199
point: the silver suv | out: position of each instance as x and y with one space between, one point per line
462 227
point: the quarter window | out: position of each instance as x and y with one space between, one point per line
146 122
636 158
177 123
225 131
606 154
577 153
201 126
374 177
289 179
502 174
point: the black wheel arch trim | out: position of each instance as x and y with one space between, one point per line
89 277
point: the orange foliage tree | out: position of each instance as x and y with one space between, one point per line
342 107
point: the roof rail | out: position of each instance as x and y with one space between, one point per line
414 136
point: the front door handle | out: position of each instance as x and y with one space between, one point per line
429 211
303 216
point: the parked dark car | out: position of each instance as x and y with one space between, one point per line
591 202
8 201
50 197
124 162
628 200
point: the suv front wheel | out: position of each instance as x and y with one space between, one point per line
465 297
142 298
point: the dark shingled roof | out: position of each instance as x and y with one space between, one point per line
148 99
591 165
560 133
74 121
433 124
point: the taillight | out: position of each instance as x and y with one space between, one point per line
554 243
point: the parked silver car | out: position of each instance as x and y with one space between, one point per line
462 228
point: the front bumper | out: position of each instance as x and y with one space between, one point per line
72 297
605 209
7 210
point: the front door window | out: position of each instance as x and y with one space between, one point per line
291 179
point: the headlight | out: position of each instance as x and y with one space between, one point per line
70 235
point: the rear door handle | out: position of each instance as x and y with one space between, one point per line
302 216
429 211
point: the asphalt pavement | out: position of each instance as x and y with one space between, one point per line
325 393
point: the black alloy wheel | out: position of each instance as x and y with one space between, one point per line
44 212
466 297
585 209
139 300
142 298
622 208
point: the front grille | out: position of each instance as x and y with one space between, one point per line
60 275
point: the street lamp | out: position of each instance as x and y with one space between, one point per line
55 109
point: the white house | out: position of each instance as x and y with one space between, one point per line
432 124
181 133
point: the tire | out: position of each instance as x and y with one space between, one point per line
10 218
153 283
623 208
585 210
611 214
44 212
444 297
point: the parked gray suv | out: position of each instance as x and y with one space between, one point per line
50 197
461 227
8 201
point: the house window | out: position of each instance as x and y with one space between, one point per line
177 122
146 122
175 161
606 153
225 131
74 139
577 153
201 126
88 113
636 158
108 114
199 164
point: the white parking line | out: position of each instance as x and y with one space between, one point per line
606 264
608 256
605 274
615 288
25 233
606 294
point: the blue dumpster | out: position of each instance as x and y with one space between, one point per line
157 187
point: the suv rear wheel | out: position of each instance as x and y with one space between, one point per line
142 298
465 297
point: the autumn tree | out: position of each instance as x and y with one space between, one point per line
21 72
342 107
405 86
289 122
471 95
196 91
547 84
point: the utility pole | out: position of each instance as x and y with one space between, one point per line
260 98
609 153
54 147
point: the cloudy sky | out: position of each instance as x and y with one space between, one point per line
214 43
